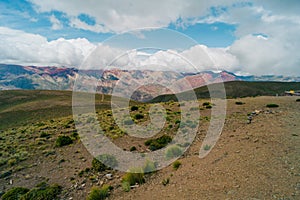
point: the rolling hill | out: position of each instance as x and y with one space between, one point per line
236 89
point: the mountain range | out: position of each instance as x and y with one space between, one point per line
14 77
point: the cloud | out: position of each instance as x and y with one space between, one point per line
19 47
56 24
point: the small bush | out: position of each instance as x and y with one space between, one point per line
99 193
149 167
206 104
133 148
15 193
43 192
134 108
176 164
161 142
133 177
126 186
173 152
44 135
272 105
138 116
297 100
207 147
63 140
110 160
166 181
208 107
239 103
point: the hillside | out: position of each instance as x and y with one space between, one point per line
250 161
21 107
236 89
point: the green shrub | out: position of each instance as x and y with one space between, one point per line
173 152
15 193
239 103
110 160
297 100
208 107
207 147
134 108
206 104
133 177
138 116
43 192
63 140
99 193
166 181
44 135
176 164
126 186
149 166
133 148
272 105
161 142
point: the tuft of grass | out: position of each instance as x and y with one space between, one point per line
135 176
176 164
134 108
133 148
272 105
109 160
99 193
138 116
125 186
206 104
15 193
161 142
207 147
165 181
173 151
63 140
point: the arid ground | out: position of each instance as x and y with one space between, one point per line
260 160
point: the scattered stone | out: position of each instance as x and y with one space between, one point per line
109 176
27 176
10 182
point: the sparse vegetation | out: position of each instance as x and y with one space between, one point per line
176 164
98 166
173 152
272 105
41 192
165 181
207 147
15 193
63 140
135 176
161 142
99 193
133 148
134 108
138 116
239 103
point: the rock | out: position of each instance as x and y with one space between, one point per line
27 176
109 176
10 181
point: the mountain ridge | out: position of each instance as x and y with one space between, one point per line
62 78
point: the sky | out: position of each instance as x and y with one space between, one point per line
241 36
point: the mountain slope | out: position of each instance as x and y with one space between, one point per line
236 89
